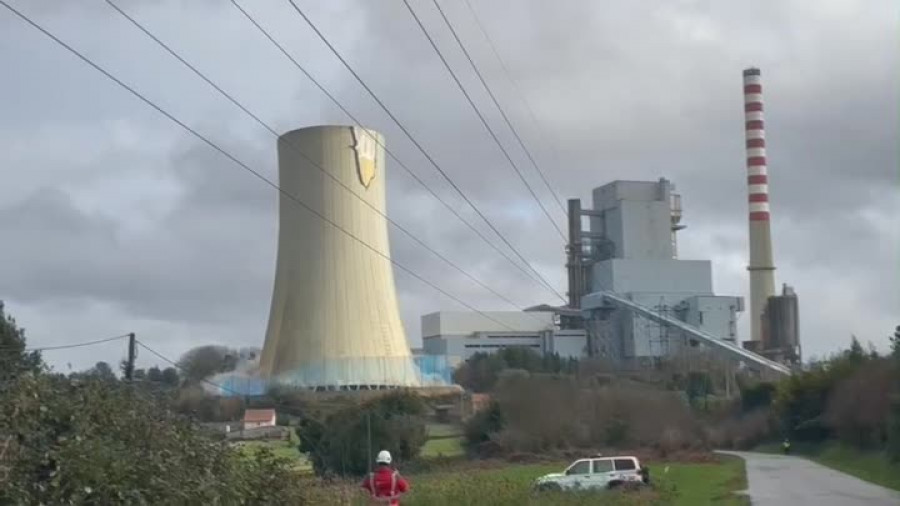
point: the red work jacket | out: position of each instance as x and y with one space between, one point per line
386 486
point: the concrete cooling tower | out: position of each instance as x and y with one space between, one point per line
334 321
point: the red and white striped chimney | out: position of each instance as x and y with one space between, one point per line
762 266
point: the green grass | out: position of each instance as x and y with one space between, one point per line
443 447
442 430
871 466
284 449
682 485
713 483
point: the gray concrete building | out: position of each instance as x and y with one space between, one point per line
461 334
631 249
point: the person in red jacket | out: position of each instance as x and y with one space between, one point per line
385 485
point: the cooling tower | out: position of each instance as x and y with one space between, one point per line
762 266
334 320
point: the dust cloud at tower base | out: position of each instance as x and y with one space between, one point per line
334 320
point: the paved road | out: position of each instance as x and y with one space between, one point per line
778 480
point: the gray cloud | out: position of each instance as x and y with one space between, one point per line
114 219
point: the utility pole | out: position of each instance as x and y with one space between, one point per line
369 454
132 355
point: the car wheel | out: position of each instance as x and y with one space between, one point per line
615 484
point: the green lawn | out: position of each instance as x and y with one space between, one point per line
682 485
444 447
442 430
284 449
873 467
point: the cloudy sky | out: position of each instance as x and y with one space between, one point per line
115 220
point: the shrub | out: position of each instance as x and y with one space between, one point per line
483 427
338 443
95 442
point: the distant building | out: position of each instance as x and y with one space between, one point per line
632 250
461 334
257 418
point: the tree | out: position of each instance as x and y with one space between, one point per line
103 371
93 442
170 377
338 443
856 353
154 374
202 362
481 371
893 428
14 359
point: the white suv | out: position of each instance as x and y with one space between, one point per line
596 473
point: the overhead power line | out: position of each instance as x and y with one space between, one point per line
66 346
537 124
500 108
415 142
238 162
484 121
299 152
532 274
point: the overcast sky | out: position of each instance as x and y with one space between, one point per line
114 220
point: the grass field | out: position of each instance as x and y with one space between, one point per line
444 440
510 485
284 449
443 447
873 467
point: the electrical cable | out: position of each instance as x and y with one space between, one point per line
533 274
482 118
499 107
542 134
238 162
65 346
297 150
420 147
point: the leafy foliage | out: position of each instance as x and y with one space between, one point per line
338 443
845 397
481 372
893 424
91 441
484 426
14 360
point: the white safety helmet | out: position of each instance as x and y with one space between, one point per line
384 457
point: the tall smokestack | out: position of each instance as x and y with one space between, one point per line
762 266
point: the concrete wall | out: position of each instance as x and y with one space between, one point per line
714 314
636 217
567 343
654 276
468 322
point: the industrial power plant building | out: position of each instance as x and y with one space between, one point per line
630 250
460 334
335 324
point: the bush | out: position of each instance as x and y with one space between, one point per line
338 443
481 372
95 442
857 410
483 427
544 413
